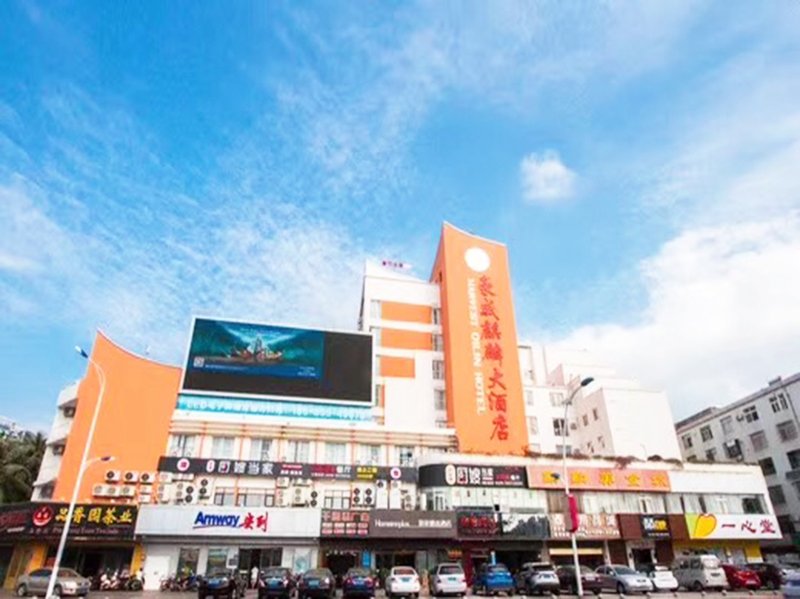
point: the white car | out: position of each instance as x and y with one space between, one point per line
448 579
791 588
662 578
402 581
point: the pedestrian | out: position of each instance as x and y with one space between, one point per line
253 577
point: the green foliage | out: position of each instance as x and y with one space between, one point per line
20 458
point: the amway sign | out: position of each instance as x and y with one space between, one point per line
187 521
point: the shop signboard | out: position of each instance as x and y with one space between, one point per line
285 469
345 523
15 518
233 358
592 526
459 475
732 526
477 523
412 524
522 525
599 479
655 527
46 520
221 521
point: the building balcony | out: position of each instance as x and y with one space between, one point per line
68 395
59 432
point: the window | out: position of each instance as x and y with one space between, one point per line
687 441
601 442
438 369
187 559
777 495
560 449
727 425
787 430
759 441
69 412
778 403
585 420
595 415
335 453
376 335
438 342
529 397
767 466
536 447
405 455
796 485
733 450
691 458
560 427
711 454
439 400
533 425
556 399
590 447
437 316
369 455
261 450
222 447
182 446
646 505
750 414
794 459
528 374
224 497
752 505
705 433
337 500
441 423
786 524
375 308
250 498
298 451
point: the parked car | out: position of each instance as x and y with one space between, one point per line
222 583
317 583
699 572
741 578
537 578
591 582
661 576
448 579
772 576
623 579
791 588
402 581
275 582
358 582
493 579
68 582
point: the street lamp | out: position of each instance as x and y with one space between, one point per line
575 560
85 463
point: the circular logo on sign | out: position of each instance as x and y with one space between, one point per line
450 474
183 465
210 465
395 473
43 516
477 259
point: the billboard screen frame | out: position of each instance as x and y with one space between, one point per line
272 396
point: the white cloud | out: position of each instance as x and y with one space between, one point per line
545 178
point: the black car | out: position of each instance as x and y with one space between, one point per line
276 582
772 576
318 582
591 582
358 582
221 583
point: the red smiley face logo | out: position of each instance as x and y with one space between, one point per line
43 516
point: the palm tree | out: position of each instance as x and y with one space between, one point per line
20 458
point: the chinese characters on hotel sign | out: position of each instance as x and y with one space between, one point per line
617 479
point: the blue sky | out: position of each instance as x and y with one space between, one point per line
245 159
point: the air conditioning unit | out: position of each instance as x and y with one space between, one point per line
99 490
407 503
381 484
127 491
145 491
282 498
147 478
165 477
299 496
394 484
111 491
303 482
131 476
144 499
189 498
204 490
282 482
164 495
314 499
113 476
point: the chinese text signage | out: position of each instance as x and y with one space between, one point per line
96 521
592 526
345 523
732 526
412 524
477 523
453 475
607 479
655 527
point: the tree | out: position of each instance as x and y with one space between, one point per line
20 458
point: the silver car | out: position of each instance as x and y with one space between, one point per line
623 579
68 582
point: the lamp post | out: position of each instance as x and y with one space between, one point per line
85 463
567 403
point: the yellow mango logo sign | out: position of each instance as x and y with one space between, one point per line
701 526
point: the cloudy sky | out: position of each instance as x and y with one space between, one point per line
639 159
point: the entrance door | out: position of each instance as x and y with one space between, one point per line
156 567
642 557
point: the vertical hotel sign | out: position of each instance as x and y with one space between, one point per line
484 388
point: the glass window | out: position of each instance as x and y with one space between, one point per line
250 498
777 495
439 399
183 446
336 500
441 423
533 425
335 453
223 496
595 414
379 394
733 449
601 442
727 425
556 399
438 369
759 441
369 455
687 441
560 427
796 485
376 335
405 455
529 397
750 414
786 524
438 342
261 450
375 308
560 449
585 419
705 433
298 451
217 559
751 504
222 447
787 430
187 560
794 458
778 403
711 454
767 466
437 316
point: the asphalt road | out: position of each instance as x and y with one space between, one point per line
252 595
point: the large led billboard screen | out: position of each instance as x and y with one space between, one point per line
242 358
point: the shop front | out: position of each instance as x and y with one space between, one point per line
180 541
734 538
598 536
649 537
100 538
